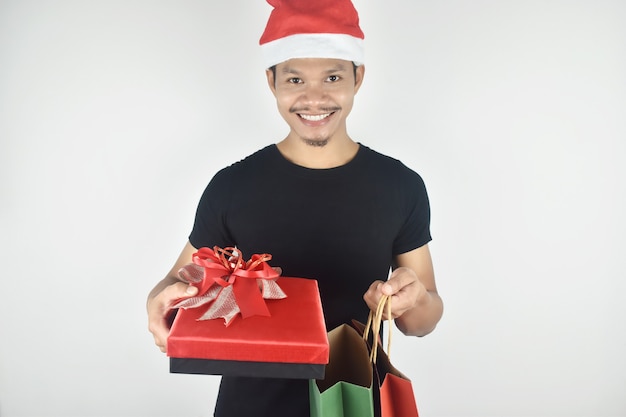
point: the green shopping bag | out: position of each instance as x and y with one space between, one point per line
346 390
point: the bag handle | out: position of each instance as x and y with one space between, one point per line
374 321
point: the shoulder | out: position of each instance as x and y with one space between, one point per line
241 175
253 163
258 159
387 166
371 156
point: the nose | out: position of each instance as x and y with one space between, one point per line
314 93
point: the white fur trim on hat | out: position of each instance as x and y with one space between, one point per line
313 45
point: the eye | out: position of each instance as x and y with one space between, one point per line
294 80
333 78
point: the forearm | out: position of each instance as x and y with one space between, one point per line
423 318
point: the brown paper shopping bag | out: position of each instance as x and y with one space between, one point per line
346 390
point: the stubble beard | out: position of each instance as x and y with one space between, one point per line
316 143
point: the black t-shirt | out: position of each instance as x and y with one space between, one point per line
341 226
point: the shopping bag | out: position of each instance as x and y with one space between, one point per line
346 390
393 393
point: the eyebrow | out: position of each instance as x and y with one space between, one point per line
289 70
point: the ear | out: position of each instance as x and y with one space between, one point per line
271 81
359 74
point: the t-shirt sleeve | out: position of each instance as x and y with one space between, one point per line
209 228
416 229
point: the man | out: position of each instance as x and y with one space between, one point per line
326 207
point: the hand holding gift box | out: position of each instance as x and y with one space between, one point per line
281 332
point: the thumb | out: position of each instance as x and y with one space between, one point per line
191 290
398 280
179 290
389 288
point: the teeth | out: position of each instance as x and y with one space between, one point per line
314 117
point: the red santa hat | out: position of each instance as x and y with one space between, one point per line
312 29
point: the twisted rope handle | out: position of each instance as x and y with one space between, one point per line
374 321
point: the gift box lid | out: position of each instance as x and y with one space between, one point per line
294 333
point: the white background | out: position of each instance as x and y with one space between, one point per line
115 114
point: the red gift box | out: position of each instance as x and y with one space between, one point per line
291 343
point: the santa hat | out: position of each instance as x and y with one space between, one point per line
312 29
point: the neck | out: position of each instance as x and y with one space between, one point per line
334 154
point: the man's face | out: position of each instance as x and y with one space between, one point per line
315 96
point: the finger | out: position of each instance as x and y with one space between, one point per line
159 333
176 292
160 341
373 292
398 280
372 295
159 310
159 344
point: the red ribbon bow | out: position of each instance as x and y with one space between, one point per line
222 276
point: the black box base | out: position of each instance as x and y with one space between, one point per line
249 369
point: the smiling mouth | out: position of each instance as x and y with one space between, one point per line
314 117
